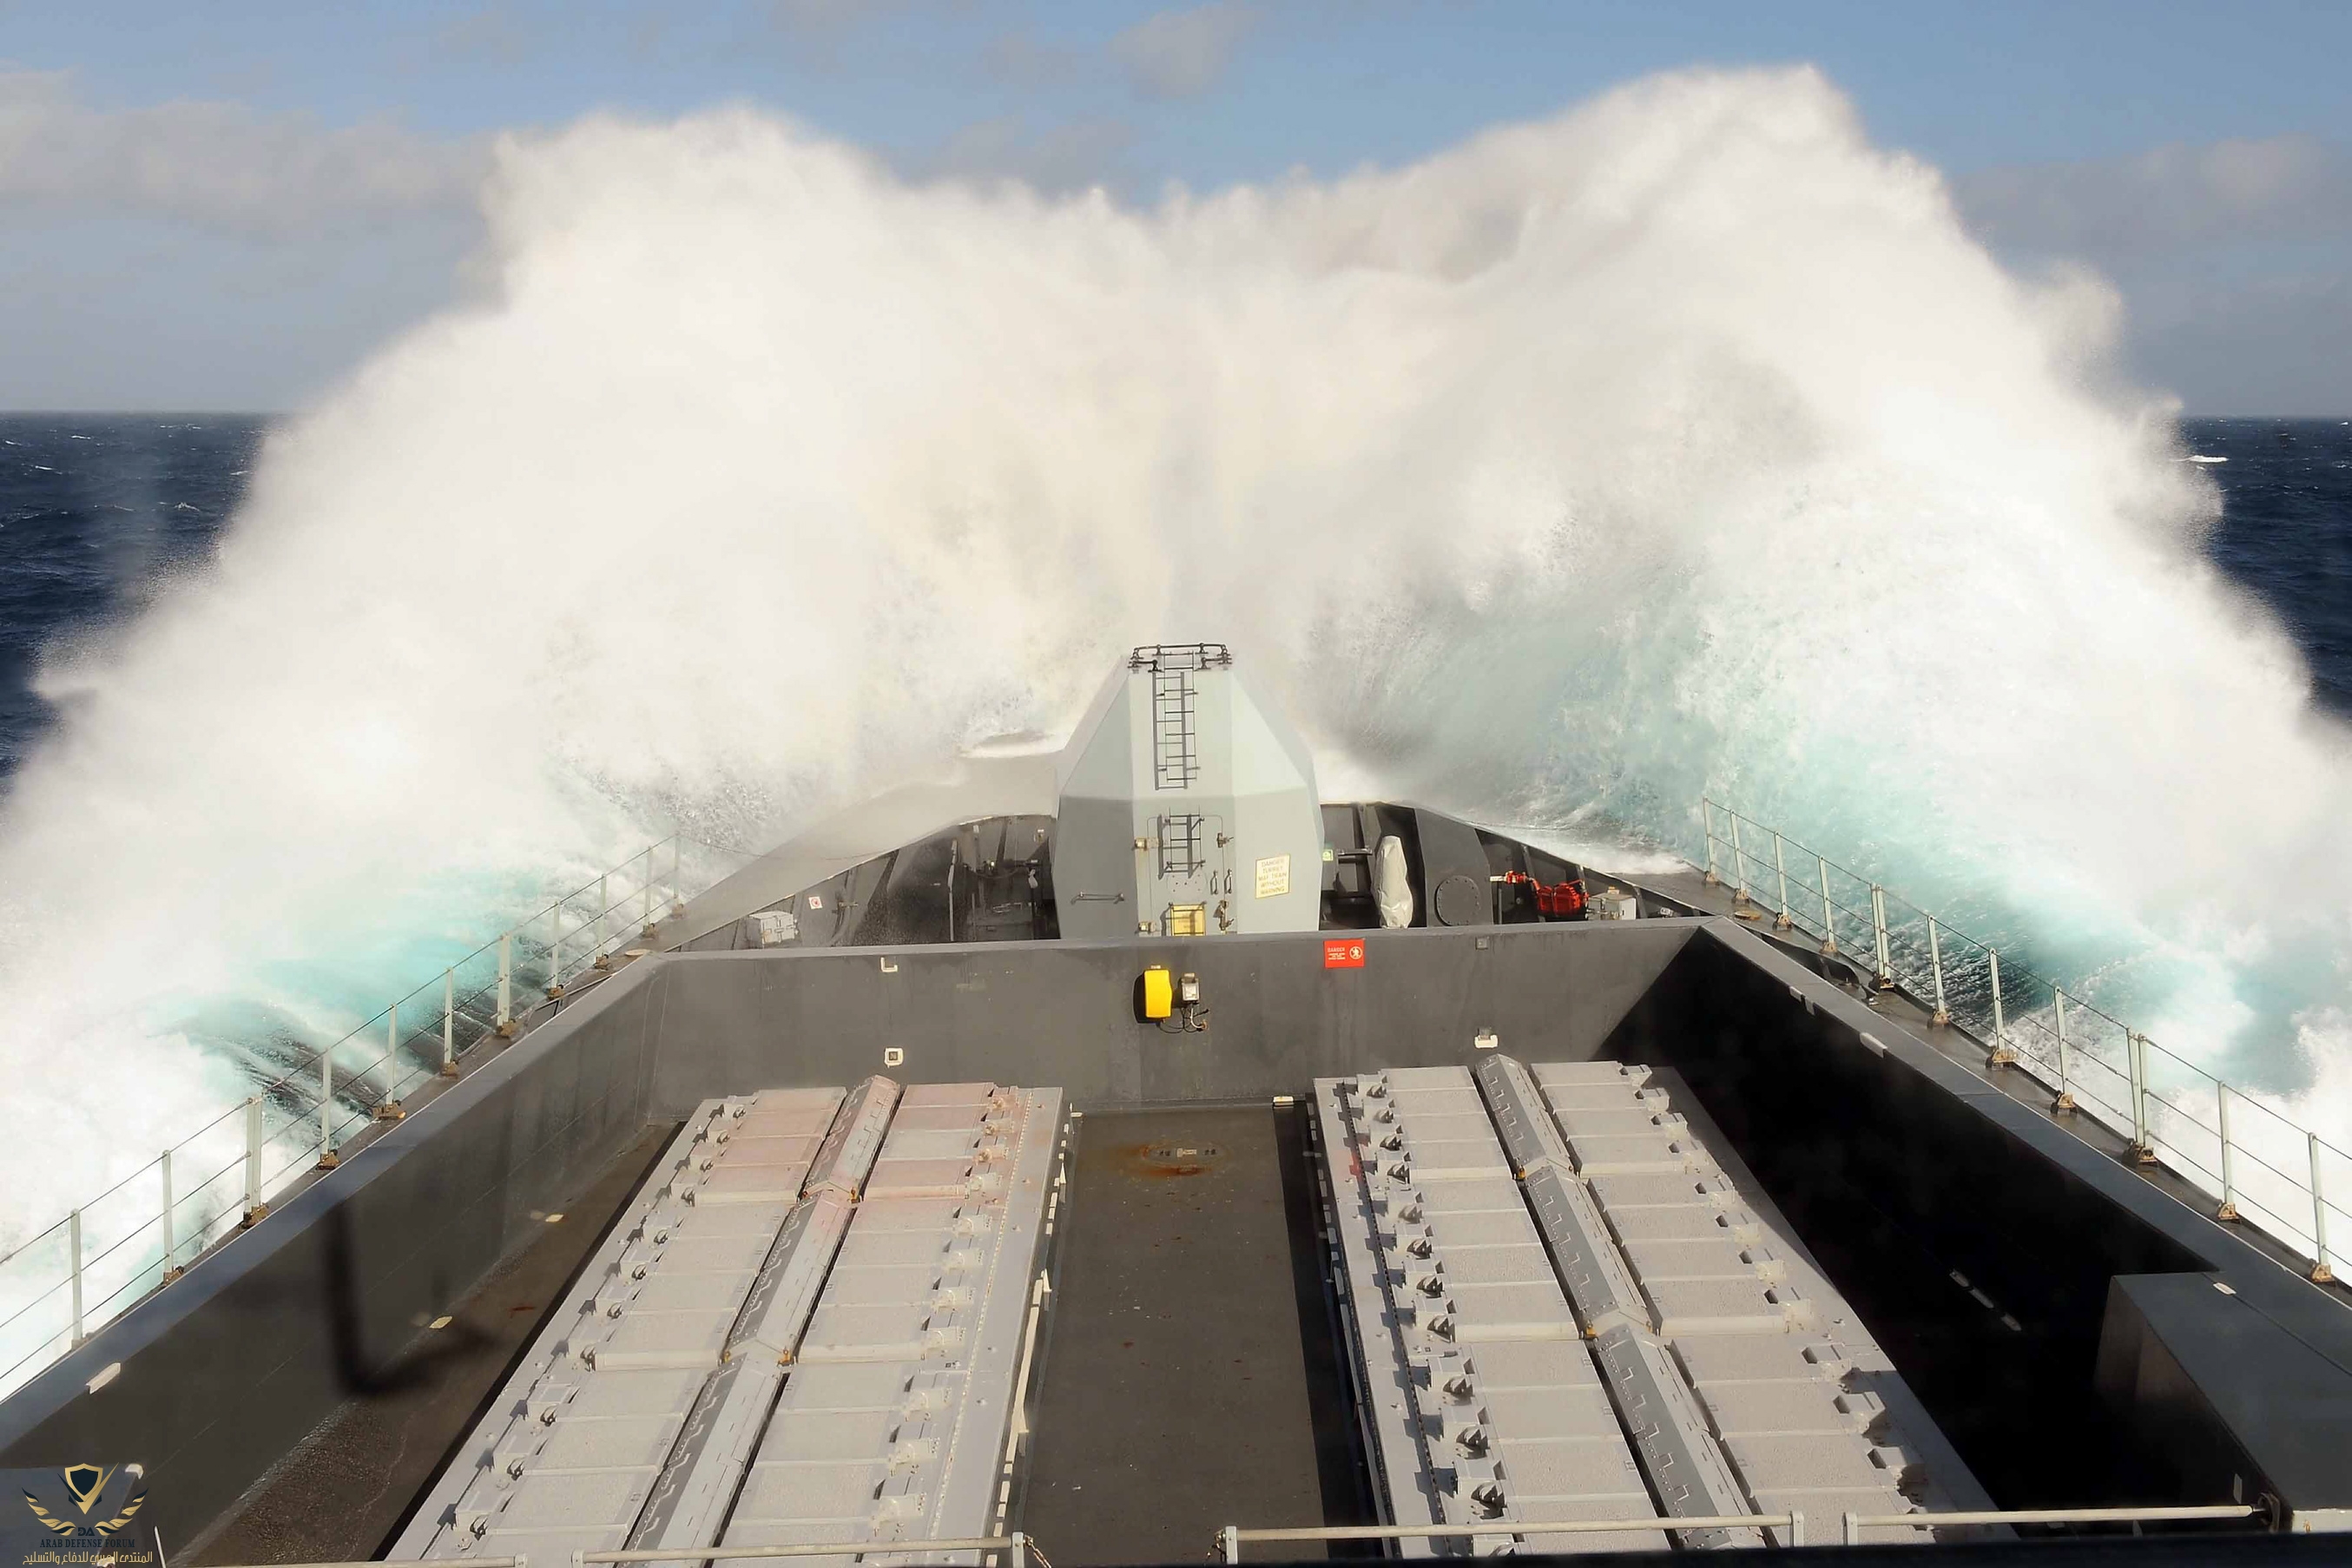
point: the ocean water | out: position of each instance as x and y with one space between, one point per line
99 512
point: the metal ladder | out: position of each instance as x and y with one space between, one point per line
1175 739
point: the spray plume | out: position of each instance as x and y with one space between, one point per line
1682 442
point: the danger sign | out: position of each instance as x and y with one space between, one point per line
1343 953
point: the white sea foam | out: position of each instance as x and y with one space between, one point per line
1685 442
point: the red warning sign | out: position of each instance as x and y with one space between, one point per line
1343 952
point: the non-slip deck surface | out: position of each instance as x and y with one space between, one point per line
808 1329
1565 1309
1189 1380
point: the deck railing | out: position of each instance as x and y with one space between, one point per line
2257 1163
1791 1525
60 1285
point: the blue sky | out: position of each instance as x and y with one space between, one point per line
225 204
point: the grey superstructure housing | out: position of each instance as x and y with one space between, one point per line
1185 809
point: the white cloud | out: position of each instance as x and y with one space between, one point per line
2172 197
1181 54
221 165
2231 258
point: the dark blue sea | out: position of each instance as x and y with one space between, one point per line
96 512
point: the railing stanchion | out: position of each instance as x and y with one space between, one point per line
1784 921
604 917
1796 1527
647 924
1020 1549
327 1159
73 1244
676 887
1739 861
1706 826
2229 1209
1878 930
1943 1014
1231 1536
555 952
2143 1149
2001 1054
505 1023
1853 1528
254 1208
2065 1100
1829 921
2321 1273
449 1023
170 1242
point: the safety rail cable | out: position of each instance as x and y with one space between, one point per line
2257 1163
1233 1537
63 1283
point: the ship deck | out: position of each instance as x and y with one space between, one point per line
942 1311
1190 1377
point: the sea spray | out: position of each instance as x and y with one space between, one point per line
1683 442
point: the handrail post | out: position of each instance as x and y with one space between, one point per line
1232 1538
1738 862
1020 1540
254 1208
390 1110
1784 921
1829 920
1878 927
1707 827
449 1023
1853 1528
2321 1273
2143 1149
171 1241
647 925
327 1157
555 952
602 958
2065 1100
1796 1527
676 887
2229 1209
74 1243
2001 1054
505 985
1943 1014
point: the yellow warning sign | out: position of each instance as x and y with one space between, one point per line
1274 875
